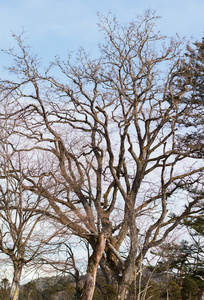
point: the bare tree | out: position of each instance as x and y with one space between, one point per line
65 262
112 128
24 231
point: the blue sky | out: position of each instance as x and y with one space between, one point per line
55 26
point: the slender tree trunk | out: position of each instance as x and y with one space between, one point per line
15 287
93 263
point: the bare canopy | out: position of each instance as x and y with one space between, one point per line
104 143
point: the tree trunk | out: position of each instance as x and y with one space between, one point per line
93 263
122 292
15 287
129 270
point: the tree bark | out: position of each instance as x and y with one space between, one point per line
15 287
122 293
93 263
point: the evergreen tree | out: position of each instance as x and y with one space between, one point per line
190 289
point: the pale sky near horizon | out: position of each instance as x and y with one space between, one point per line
53 27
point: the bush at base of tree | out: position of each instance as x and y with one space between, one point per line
190 289
174 291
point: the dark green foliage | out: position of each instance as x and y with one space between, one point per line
153 291
106 292
4 289
196 268
197 225
174 291
191 79
190 289
195 75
